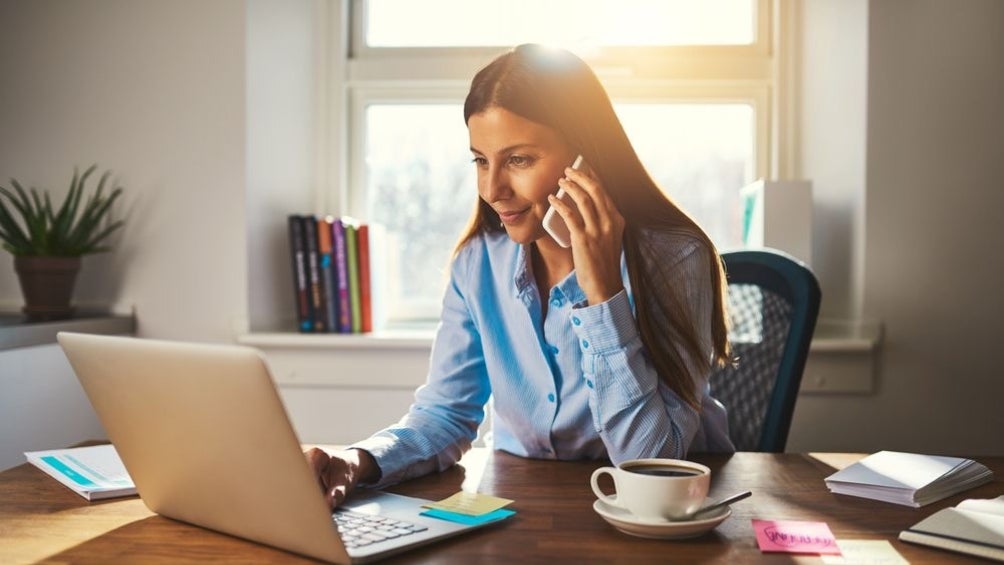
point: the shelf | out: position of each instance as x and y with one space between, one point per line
842 336
830 337
388 339
15 332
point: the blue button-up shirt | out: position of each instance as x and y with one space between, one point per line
574 384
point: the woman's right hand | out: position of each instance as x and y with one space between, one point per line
338 472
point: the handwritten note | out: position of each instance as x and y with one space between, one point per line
865 552
792 536
469 503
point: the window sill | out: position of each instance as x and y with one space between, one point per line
831 336
842 357
16 333
838 336
382 340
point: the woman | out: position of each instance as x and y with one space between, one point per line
601 350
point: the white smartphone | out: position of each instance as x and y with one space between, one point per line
554 224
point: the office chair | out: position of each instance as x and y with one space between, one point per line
773 301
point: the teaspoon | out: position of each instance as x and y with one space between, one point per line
714 506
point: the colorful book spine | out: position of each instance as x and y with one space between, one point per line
380 249
365 295
314 273
352 247
342 274
301 286
327 265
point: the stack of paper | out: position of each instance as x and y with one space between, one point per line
94 472
974 526
908 478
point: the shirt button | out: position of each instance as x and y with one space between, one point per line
556 302
585 344
576 320
550 397
552 349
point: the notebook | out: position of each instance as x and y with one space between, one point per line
910 479
94 472
974 526
204 435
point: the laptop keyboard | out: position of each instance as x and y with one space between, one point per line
358 530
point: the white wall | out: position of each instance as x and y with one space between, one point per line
933 200
42 406
831 126
285 130
155 91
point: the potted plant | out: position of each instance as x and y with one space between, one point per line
48 242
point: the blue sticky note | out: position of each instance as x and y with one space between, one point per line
493 516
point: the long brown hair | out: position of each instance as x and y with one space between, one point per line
555 88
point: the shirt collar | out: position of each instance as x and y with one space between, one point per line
522 273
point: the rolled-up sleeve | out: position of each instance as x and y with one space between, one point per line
635 413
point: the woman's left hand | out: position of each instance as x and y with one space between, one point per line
597 230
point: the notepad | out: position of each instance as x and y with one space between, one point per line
470 508
94 472
910 479
469 503
974 526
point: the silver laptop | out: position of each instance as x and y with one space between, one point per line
204 435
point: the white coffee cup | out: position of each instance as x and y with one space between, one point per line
656 489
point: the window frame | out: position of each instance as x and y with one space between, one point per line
747 74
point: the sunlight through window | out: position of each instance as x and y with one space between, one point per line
569 23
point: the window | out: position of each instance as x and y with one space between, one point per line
691 82
466 23
419 183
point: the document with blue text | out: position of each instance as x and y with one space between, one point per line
93 472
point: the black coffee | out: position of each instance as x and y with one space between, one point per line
663 470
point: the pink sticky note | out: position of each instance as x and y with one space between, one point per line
791 536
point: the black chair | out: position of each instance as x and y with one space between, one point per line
773 301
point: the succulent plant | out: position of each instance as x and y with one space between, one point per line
30 226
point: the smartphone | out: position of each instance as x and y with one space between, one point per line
554 224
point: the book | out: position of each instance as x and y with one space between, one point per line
301 287
342 276
352 248
975 526
327 267
365 288
380 246
93 472
910 479
313 273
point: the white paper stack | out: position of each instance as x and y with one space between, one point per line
909 479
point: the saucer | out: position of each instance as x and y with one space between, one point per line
658 528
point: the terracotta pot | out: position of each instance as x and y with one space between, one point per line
47 286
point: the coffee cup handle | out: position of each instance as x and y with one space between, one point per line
594 481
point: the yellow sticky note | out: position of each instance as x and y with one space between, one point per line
470 503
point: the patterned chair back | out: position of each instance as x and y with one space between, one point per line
773 302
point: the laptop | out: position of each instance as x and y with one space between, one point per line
204 435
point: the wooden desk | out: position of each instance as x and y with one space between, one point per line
42 521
